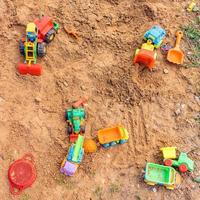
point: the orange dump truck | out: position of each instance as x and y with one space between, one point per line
111 136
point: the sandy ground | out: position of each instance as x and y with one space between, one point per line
99 65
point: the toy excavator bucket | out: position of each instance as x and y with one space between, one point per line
145 57
32 69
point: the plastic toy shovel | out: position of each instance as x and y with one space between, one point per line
176 55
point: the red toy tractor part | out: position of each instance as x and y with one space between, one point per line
73 137
46 31
145 57
168 162
183 168
21 174
32 69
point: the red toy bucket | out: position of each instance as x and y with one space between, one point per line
21 174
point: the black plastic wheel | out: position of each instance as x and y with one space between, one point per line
21 47
41 49
50 36
69 130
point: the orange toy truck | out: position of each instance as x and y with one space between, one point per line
111 136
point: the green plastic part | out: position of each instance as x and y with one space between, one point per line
183 159
160 174
56 26
76 117
197 179
78 146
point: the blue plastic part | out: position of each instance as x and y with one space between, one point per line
106 145
123 141
113 143
70 153
80 156
156 34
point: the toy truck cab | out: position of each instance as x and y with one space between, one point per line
76 120
112 136
162 175
46 29
156 34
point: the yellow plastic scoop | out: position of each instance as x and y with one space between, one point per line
176 55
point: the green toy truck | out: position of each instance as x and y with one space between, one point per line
183 163
76 122
162 175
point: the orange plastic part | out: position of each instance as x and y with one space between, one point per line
33 69
80 102
176 55
89 146
109 135
145 57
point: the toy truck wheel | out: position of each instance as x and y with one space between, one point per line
122 141
41 49
82 129
170 187
50 36
168 162
21 47
69 130
106 145
151 183
183 168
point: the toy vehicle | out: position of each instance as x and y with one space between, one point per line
76 150
146 55
30 49
183 163
112 136
162 175
156 34
76 122
47 29
74 157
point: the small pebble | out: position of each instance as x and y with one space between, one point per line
165 71
154 189
83 87
66 84
37 99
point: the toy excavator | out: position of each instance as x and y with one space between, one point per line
146 55
39 33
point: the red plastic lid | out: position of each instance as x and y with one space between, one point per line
21 174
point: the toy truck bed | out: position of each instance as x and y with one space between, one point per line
159 174
111 136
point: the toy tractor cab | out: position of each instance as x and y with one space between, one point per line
47 29
156 34
76 122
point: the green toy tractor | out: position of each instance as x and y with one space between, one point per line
183 163
76 122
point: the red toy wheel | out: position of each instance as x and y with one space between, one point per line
168 162
183 168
